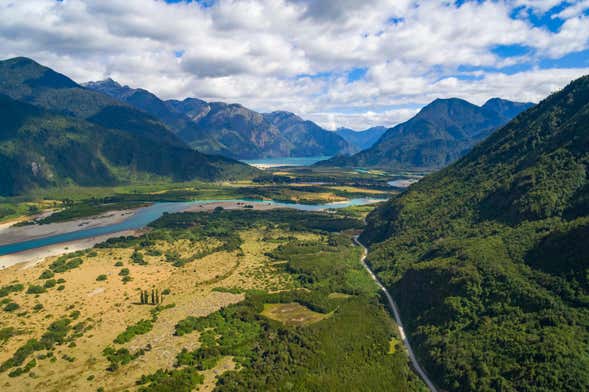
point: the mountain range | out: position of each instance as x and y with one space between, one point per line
231 130
362 140
440 133
487 258
56 132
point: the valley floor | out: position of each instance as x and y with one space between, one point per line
242 300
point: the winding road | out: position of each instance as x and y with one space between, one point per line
397 315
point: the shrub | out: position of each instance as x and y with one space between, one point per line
11 307
47 274
12 288
49 283
101 278
124 272
35 289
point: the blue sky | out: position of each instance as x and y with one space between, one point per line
337 62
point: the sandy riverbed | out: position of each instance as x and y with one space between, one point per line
34 256
10 234
257 205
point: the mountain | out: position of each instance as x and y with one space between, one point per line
236 131
362 140
55 132
231 129
440 133
145 101
308 138
25 80
487 258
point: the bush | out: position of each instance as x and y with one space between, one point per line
47 274
140 328
35 289
124 272
66 262
11 307
101 278
49 283
12 288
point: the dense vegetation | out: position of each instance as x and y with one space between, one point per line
348 350
55 132
436 136
488 257
347 347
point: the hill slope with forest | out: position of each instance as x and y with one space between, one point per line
440 133
231 129
488 257
55 132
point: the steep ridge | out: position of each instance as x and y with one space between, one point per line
440 133
231 129
67 134
25 80
308 138
487 258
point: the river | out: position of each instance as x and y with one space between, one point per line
143 216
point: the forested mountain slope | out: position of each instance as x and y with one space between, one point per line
39 148
231 129
489 258
67 134
440 133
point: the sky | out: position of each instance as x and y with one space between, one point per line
345 63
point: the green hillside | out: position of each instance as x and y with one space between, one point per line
40 148
438 135
231 130
489 258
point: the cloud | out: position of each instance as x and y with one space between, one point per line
296 54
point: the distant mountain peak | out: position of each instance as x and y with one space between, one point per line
21 61
108 82
440 133
282 115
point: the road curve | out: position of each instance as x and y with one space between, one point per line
397 315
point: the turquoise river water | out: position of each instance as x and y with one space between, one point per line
146 215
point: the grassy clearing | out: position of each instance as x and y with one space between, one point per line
338 296
292 314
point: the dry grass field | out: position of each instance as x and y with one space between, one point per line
107 307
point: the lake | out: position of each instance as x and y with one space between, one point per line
146 215
265 163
